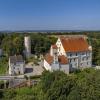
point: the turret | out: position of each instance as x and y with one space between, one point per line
27 43
54 53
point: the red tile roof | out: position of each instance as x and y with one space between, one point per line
62 59
49 58
74 44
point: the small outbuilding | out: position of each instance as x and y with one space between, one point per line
16 65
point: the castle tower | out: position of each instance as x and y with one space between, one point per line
53 52
27 43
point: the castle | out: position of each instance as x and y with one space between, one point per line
69 54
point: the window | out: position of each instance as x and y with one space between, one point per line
70 60
56 62
75 64
70 55
87 58
84 53
59 48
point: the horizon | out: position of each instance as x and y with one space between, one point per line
47 31
18 15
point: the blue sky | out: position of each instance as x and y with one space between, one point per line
49 14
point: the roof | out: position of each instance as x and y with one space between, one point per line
54 46
49 58
77 44
14 59
61 59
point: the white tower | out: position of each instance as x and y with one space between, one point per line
27 43
53 52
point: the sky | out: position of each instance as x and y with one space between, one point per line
49 14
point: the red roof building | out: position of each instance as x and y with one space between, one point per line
69 53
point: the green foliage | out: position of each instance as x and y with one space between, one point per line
48 78
84 85
96 51
3 65
1 94
14 43
41 43
9 94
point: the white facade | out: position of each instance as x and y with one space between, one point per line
54 67
80 60
27 43
56 64
65 68
61 50
47 65
16 68
76 59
